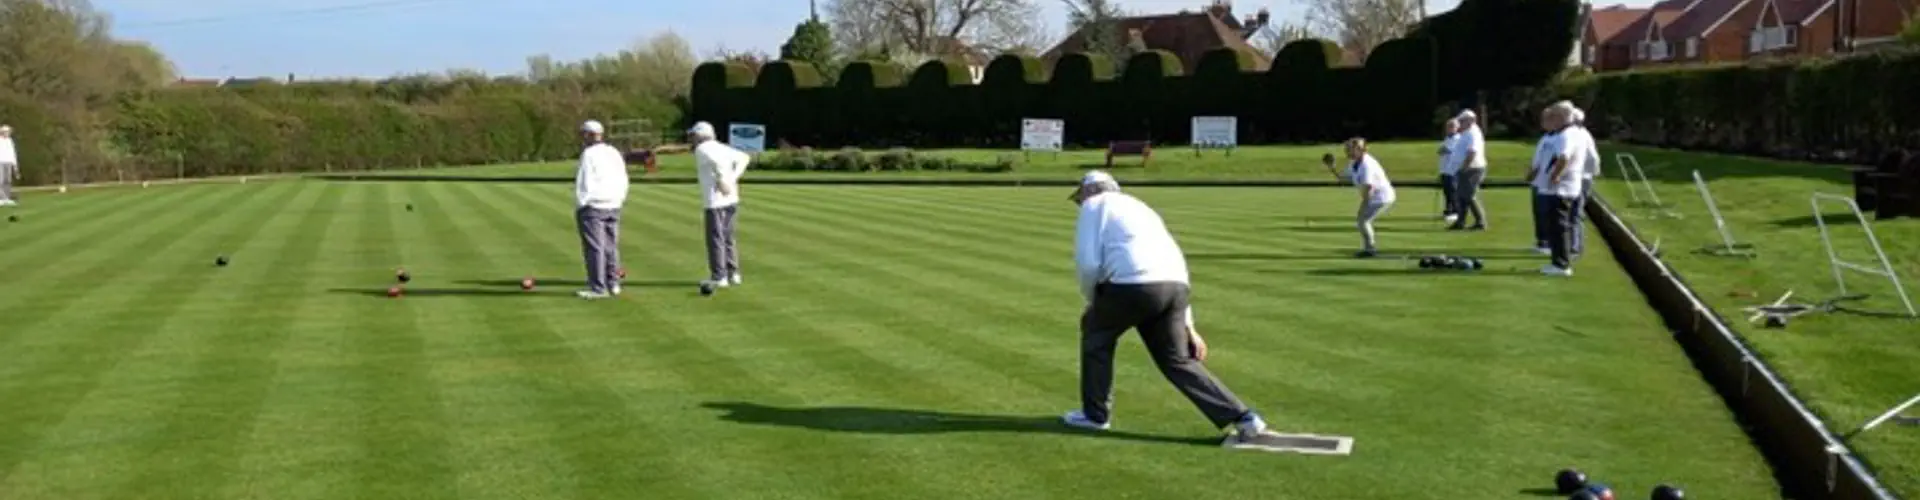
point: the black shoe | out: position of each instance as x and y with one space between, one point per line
1367 254
1477 227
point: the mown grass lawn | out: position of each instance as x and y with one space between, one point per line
1848 367
889 343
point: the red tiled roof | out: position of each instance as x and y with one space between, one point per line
1800 11
1611 22
1656 18
1701 17
1188 36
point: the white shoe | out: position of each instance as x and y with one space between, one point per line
616 290
720 283
1077 419
1250 426
591 294
1543 250
735 279
1452 218
1553 270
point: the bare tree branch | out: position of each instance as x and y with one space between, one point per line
1272 38
1361 25
933 26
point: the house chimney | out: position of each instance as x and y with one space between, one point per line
1264 17
1222 9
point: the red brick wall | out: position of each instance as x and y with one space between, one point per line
1881 18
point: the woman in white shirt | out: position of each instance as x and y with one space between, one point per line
1376 191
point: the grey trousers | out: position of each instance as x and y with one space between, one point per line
1159 312
723 258
1580 217
7 171
1467 196
600 244
1368 212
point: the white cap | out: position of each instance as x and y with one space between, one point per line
1578 115
1096 177
593 127
702 129
1466 114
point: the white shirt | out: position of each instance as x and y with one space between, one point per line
1447 165
601 181
1472 142
1119 239
1593 150
1564 145
7 154
720 164
1368 172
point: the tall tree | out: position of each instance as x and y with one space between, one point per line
1098 24
662 65
812 41
1361 25
933 26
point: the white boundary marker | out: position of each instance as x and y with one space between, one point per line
1343 444
1629 167
1889 415
1833 259
1728 247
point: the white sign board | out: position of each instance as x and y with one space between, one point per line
748 137
1216 132
1039 134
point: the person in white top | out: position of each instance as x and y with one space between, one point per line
599 190
1557 179
720 167
1134 276
9 166
1470 163
1578 129
1449 171
1376 192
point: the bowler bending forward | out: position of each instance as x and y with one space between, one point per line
600 188
720 168
1133 276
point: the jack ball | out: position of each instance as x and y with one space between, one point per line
393 292
526 284
620 273
1667 492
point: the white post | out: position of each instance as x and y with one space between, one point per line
1890 413
1833 258
1726 236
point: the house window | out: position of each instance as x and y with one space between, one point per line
1757 41
1659 51
1592 55
1693 47
1790 36
1640 50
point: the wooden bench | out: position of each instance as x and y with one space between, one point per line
1142 149
643 157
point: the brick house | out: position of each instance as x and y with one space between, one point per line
1188 35
1604 44
1709 31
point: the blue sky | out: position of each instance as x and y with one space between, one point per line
378 38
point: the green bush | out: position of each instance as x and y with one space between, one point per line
1852 108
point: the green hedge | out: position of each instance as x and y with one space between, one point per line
333 127
1848 109
855 160
1305 95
